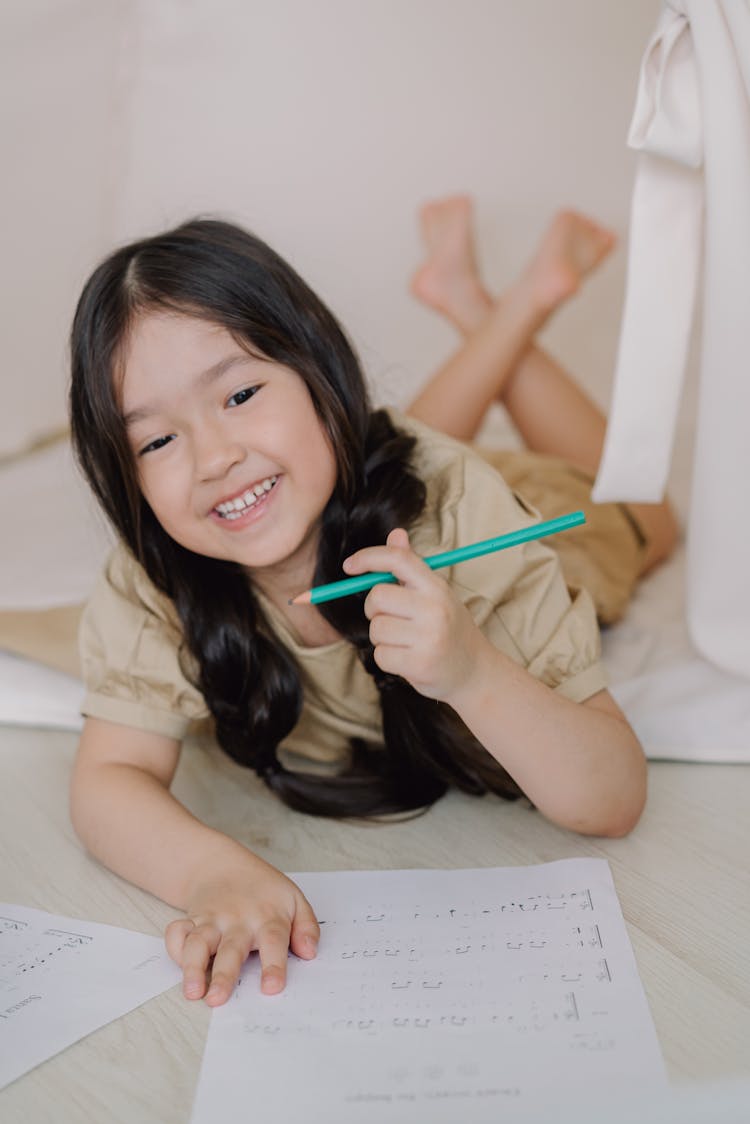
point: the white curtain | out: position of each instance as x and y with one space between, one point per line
690 226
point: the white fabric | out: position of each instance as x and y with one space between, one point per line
680 706
54 539
671 710
33 695
663 262
692 124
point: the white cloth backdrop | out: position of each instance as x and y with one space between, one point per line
691 216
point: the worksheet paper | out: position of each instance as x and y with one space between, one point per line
476 995
61 978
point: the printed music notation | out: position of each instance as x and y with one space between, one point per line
33 956
62 978
523 970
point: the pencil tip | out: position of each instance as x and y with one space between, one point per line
300 599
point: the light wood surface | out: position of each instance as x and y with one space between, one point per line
682 879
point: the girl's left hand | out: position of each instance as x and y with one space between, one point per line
419 628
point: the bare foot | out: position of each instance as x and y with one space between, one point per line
448 280
572 246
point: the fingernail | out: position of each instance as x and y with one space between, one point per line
271 981
213 991
311 943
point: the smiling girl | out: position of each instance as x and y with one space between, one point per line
223 422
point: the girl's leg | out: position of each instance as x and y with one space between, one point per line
571 426
498 334
499 361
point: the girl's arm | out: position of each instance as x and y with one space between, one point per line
235 902
580 764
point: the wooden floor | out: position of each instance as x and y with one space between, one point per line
682 879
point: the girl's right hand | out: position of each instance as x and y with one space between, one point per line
249 907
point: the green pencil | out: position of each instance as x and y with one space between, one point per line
448 558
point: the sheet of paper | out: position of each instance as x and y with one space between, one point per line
440 995
61 978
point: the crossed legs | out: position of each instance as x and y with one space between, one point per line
499 360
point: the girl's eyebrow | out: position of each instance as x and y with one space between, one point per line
205 378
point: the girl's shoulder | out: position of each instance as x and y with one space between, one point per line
435 450
466 497
124 581
134 661
126 614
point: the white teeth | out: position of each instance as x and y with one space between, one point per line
232 509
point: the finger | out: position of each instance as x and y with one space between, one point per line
393 600
392 631
305 933
273 949
197 950
174 937
399 661
402 562
225 971
398 537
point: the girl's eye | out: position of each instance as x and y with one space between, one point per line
242 395
159 443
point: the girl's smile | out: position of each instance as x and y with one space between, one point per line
248 501
231 454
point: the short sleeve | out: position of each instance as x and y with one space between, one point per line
131 649
518 597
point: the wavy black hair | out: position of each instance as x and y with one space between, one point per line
251 684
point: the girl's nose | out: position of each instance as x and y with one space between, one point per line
216 452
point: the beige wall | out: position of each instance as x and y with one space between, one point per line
322 126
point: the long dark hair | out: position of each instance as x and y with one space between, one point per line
250 682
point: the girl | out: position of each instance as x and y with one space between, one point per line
222 421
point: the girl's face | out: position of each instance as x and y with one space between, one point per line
231 455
